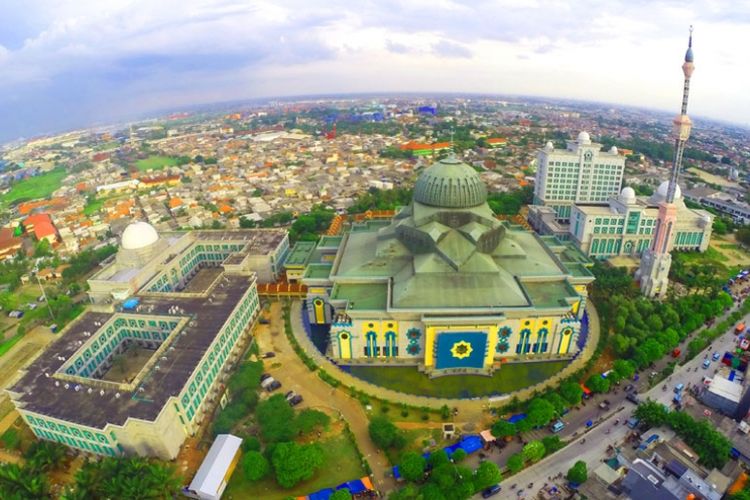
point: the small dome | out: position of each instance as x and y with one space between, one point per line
627 195
584 138
613 150
549 146
661 191
138 235
450 183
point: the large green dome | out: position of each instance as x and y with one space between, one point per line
450 183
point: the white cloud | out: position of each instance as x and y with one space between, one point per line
194 51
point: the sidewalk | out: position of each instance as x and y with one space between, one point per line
470 409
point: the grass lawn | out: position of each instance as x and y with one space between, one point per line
8 344
340 463
155 162
93 206
510 377
36 187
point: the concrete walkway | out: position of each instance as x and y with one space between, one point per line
469 409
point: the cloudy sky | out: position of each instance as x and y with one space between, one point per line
71 63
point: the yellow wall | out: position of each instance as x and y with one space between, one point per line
345 345
565 343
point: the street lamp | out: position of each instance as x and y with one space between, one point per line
44 294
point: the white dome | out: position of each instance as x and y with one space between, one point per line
138 235
664 187
627 195
549 146
613 150
584 138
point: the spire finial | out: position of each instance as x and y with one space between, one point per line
690 40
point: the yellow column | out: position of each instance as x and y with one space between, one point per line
429 340
489 356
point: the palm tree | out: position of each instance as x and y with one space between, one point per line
45 455
131 478
22 482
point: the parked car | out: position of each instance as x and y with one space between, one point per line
295 400
716 356
633 398
706 363
269 354
289 395
629 387
265 376
557 426
491 491
275 384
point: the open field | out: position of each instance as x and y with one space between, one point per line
340 464
33 188
155 162
509 378
713 179
731 252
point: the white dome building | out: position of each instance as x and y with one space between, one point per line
139 244
627 195
138 235
584 138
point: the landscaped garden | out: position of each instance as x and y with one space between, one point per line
511 377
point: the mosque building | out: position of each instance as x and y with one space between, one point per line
446 286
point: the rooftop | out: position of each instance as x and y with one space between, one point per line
300 253
367 296
207 316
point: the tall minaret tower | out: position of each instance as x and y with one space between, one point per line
656 260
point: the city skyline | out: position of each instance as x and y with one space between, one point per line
78 64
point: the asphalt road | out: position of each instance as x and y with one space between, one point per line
597 439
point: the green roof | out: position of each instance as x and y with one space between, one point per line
362 297
330 241
318 271
300 253
549 293
450 183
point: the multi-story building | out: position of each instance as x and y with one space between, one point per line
581 173
447 287
627 225
139 376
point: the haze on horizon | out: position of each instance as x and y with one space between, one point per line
73 63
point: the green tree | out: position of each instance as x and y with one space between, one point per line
293 462
486 475
552 444
624 368
515 463
411 467
578 474
597 383
571 392
132 478
652 413
384 434
533 451
45 455
246 223
438 458
539 412
275 417
42 249
22 483
308 420
255 466
503 428
458 456
342 494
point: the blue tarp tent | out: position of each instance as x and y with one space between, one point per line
517 418
131 303
321 495
355 486
469 444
